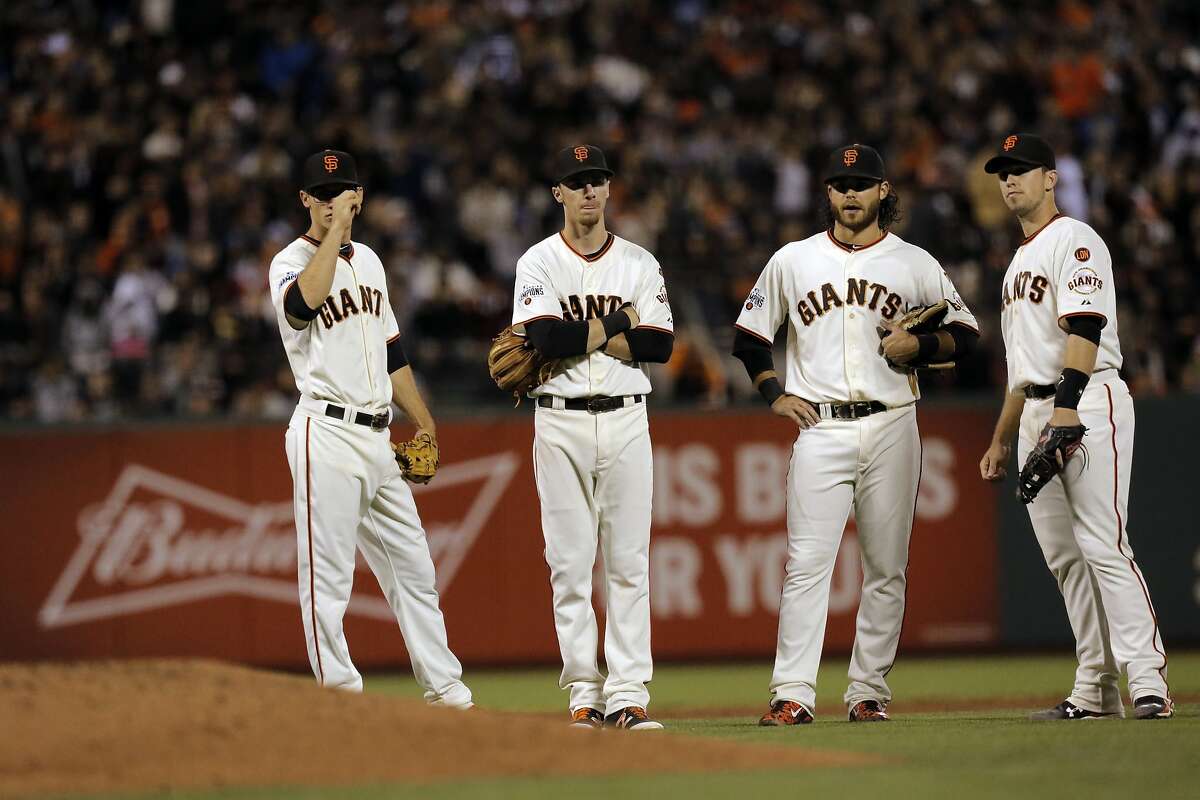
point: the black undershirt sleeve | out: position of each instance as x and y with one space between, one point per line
293 303
753 352
395 355
556 338
651 346
964 340
1086 326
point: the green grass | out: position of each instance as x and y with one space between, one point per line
733 686
975 755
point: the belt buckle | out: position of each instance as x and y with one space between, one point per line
379 421
597 405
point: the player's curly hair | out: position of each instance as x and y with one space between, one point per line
889 211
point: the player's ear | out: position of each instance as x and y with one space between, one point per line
1051 178
304 198
885 189
557 192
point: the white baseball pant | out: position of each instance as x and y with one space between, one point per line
1079 519
348 492
594 476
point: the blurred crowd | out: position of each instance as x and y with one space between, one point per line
149 154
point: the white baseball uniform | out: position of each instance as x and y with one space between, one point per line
348 488
1063 270
594 471
833 297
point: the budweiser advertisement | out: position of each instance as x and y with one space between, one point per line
171 541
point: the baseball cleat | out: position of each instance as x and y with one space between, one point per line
786 712
587 717
632 718
868 711
1068 710
1153 707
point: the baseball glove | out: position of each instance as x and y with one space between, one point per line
418 458
1054 448
919 320
516 365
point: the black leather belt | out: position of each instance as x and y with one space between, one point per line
375 422
595 405
1036 392
864 408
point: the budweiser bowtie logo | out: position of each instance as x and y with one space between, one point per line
158 541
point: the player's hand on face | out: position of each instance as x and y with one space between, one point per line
898 345
345 207
796 410
992 465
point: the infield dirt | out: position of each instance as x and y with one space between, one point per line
155 725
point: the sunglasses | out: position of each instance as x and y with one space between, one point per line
1020 170
323 194
843 185
576 182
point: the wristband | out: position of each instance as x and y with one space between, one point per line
1070 388
927 346
771 390
616 322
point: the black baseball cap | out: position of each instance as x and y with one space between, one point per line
855 161
579 158
330 168
1021 149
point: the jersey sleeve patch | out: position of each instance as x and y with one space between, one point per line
529 291
755 299
1084 280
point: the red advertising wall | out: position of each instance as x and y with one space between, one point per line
180 541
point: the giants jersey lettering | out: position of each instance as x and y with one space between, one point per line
341 356
1062 270
555 282
833 297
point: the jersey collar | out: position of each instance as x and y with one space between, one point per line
1029 238
596 256
853 248
346 251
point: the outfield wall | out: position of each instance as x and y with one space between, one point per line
162 541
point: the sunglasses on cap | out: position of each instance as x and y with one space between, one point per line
1015 169
843 185
323 194
575 182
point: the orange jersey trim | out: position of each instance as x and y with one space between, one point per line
853 248
755 335
594 256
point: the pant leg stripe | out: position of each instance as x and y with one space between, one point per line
1157 636
312 593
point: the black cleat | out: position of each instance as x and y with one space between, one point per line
1153 707
1067 710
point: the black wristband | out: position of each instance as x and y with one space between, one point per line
770 390
1070 388
927 346
616 322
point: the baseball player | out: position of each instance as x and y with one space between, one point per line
599 303
858 444
1060 335
331 301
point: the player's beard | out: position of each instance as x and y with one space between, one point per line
860 221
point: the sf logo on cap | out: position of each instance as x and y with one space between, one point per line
581 153
1010 143
331 163
849 157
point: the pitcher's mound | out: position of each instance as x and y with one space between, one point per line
153 725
